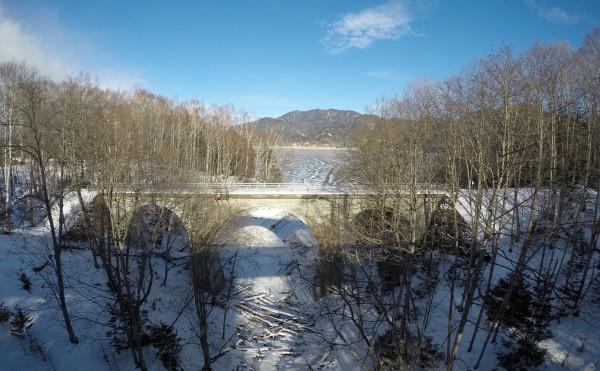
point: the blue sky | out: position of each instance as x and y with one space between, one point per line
271 57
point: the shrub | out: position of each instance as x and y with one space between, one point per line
523 354
391 357
527 319
164 339
4 314
25 281
20 322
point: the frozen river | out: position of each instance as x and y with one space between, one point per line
309 165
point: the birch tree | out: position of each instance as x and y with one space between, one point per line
34 101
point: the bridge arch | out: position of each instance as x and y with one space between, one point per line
155 226
448 230
383 231
383 226
94 223
269 250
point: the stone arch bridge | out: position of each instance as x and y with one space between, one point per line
203 208
315 205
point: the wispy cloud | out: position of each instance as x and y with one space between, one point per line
552 13
359 30
57 53
20 45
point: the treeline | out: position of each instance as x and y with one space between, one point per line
75 133
61 137
513 139
520 119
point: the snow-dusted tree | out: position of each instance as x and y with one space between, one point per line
8 127
589 107
34 102
266 160
396 160
486 138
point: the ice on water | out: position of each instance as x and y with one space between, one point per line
309 165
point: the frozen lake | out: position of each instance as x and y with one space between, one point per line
309 165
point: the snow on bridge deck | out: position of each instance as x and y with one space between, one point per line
270 188
241 189
294 189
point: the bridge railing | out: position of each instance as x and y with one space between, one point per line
245 188
308 188
272 188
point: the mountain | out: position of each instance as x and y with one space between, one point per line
317 127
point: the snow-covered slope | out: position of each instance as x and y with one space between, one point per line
266 320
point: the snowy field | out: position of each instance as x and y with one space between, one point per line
266 317
270 322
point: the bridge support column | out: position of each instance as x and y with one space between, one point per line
329 264
206 270
328 273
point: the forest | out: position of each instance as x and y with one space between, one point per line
513 140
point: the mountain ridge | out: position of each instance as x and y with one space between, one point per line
315 127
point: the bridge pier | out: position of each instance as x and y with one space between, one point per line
206 269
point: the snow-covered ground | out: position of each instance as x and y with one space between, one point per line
270 321
265 318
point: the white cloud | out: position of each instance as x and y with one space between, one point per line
20 45
389 21
552 13
58 52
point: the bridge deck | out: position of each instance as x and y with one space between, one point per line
275 189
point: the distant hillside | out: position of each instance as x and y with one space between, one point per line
317 127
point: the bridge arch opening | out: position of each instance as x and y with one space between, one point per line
448 231
157 227
268 251
387 234
381 227
95 222
161 234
